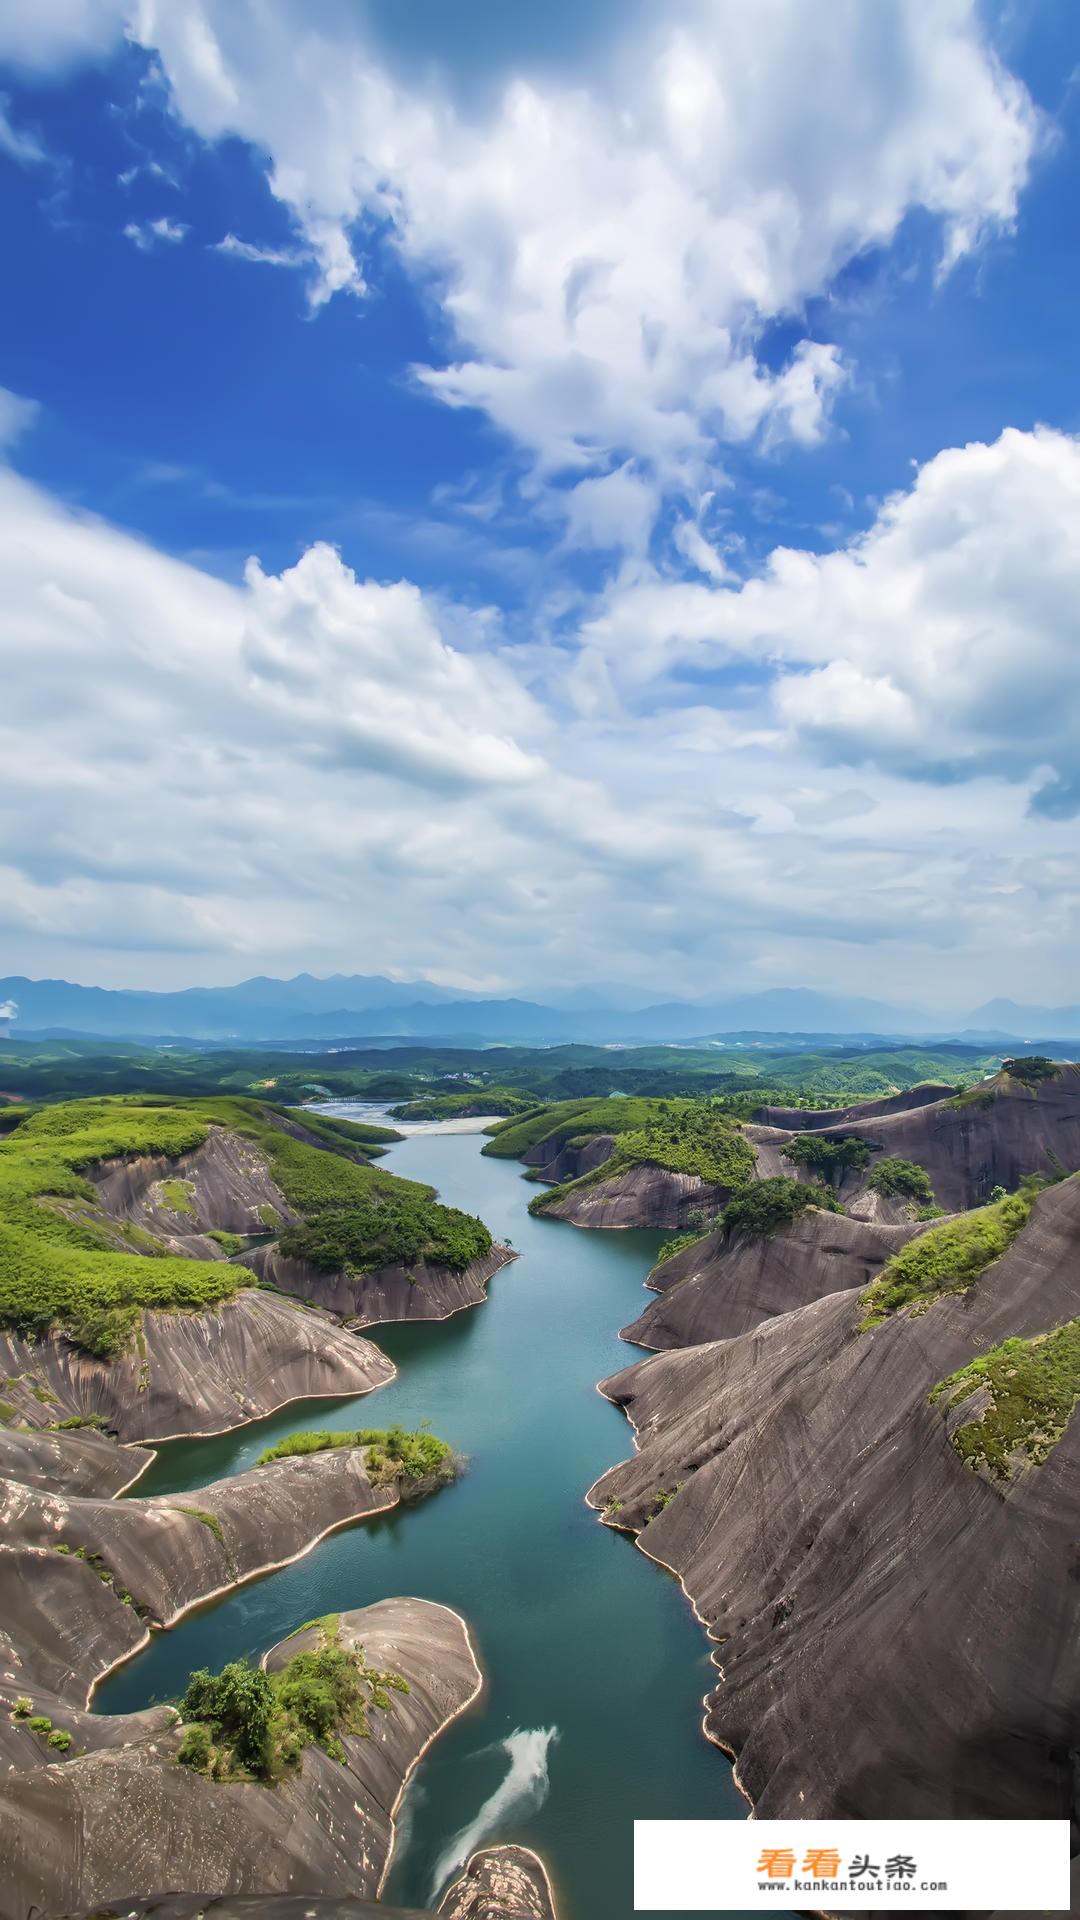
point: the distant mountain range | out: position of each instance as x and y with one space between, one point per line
355 1006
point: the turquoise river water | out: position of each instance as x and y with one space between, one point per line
594 1666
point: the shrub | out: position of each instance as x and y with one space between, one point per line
769 1204
23 1707
677 1244
246 1722
59 1739
39 1723
1034 1386
197 1747
391 1453
902 1179
1030 1069
828 1157
947 1259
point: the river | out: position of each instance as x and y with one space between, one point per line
595 1668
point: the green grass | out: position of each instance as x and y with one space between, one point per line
571 1120
176 1196
244 1724
768 1205
392 1453
677 1244
902 1179
59 1267
946 1259
682 1136
209 1520
1034 1387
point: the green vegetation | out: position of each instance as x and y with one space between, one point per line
59 1264
393 1228
39 1723
947 1259
770 1204
902 1179
1030 1069
228 1242
684 1136
209 1520
392 1453
463 1106
23 1708
572 1120
742 1075
829 1157
1033 1387
59 1739
270 1217
678 1244
247 1724
176 1195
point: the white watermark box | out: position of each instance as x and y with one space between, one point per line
851 1866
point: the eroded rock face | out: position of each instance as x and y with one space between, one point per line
801 1120
556 1159
510 1877
993 1138
64 1620
81 1462
727 1283
223 1185
424 1291
899 1634
76 1835
195 1373
502 1883
639 1196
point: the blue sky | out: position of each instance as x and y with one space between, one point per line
655 439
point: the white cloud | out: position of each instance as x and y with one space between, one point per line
311 769
48 34
148 234
942 643
607 245
19 145
261 256
17 416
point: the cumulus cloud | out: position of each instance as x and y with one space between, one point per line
314 769
941 644
607 243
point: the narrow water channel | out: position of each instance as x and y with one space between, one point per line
595 1667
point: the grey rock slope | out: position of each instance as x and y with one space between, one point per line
194 1373
640 1196
727 1283
84 1462
800 1119
992 1138
80 1833
67 1562
227 1186
424 1291
501 1883
898 1634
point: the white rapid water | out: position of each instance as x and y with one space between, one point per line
523 1790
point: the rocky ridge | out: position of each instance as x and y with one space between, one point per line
809 1491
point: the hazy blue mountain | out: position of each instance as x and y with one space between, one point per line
360 1006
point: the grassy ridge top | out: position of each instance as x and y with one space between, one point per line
682 1136
59 1265
575 1121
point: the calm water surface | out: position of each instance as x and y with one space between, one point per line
594 1667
